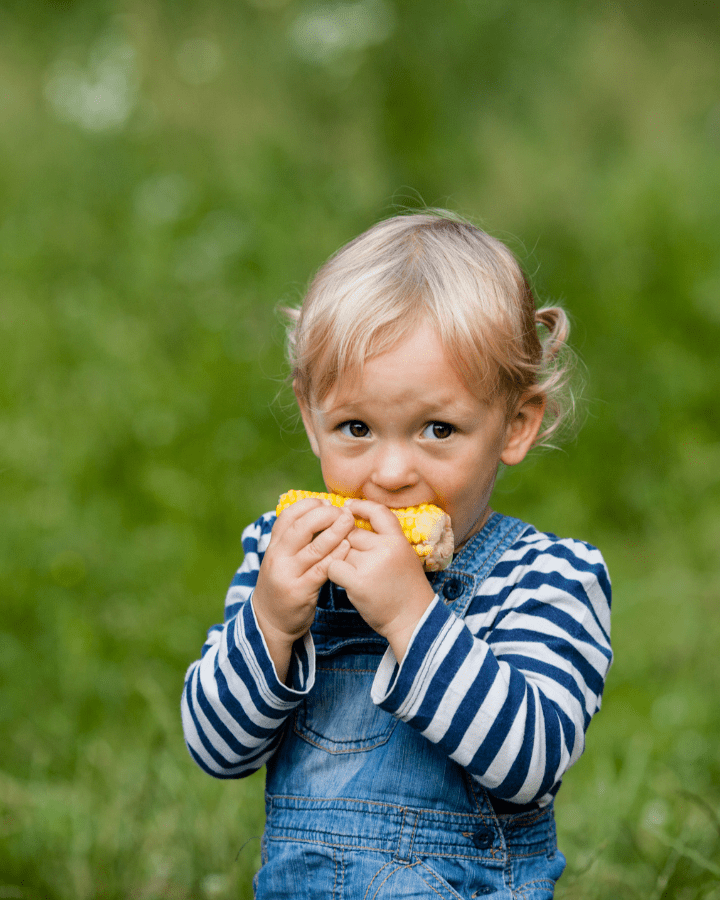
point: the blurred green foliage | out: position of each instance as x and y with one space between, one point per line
169 173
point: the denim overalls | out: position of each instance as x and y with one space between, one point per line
360 805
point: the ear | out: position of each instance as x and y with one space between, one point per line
307 418
523 429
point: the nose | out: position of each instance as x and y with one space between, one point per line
394 468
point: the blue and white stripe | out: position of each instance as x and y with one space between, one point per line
507 691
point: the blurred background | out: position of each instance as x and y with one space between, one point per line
170 172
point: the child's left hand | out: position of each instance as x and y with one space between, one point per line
383 576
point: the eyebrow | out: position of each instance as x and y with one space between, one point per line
436 410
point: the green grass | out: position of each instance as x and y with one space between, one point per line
146 237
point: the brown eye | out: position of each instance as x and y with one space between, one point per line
355 428
438 430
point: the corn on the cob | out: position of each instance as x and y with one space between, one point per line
426 526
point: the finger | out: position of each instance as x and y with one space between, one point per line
365 544
341 551
341 573
362 539
300 531
327 540
321 567
296 511
382 519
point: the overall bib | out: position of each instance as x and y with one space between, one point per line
360 805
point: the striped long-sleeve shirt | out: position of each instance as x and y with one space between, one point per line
507 690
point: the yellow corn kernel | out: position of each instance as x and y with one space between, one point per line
426 526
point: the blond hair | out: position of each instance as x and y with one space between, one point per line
432 267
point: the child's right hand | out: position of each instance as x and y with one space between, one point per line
306 537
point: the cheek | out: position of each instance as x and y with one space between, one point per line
468 485
339 475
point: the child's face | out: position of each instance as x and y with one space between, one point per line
409 431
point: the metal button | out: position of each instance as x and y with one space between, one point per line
483 839
452 588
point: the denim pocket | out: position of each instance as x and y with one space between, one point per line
339 716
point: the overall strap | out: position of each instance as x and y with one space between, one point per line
459 582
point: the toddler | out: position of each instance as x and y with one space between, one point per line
415 726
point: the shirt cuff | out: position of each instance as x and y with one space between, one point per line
399 688
301 673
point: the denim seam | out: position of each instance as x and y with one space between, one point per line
510 820
522 892
342 882
510 529
396 869
491 820
441 814
335 874
493 855
514 855
406 859
477 546
399 843
381 739
437 878
336 671
490 817
363 749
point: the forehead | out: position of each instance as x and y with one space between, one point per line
417 369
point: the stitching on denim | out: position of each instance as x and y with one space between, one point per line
517 820
480 569
380 739
338 670
343 863
301 840
493 852
369 888
478 566
373 849
399 843
433 889
407 857
412 836
522 892
335 873
480 806
438 878
490 820
541 852
386 879
479 545
440 813
465 578
380 803
436 819
308 730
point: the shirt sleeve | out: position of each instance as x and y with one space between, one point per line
509 691
233 704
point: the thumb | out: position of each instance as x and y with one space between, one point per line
341 573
